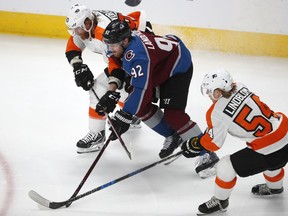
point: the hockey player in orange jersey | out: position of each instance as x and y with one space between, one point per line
239 112
86 28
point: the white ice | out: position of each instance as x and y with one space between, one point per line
43 114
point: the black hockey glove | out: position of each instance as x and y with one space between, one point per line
83 76
192 147
107 102
121 122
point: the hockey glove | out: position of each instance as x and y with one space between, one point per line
121 122
107 102
83 76
192 147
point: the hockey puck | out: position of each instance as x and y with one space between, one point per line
132 3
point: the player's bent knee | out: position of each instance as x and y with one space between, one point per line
225 170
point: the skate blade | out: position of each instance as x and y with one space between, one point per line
135 126
85 151
207 172
219 212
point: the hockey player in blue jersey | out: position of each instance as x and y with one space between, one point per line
155 64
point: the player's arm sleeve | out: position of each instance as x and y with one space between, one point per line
73 52
138 102
142 92
140 19
133 23
115 72
97 41
216 131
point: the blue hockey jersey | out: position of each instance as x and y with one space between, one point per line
150 60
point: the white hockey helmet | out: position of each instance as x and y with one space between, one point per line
76 17
220 79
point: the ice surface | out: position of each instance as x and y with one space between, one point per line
43 114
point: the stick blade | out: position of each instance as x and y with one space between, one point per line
46 203
39 199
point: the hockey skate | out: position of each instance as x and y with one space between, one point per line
91 142
170 144
213 205
136 123
206 165
264 190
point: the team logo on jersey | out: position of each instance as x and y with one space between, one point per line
129 55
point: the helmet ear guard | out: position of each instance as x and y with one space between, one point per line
220 79
116 31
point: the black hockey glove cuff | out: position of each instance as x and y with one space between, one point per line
83 76
117 76
107 102
121 122
192 147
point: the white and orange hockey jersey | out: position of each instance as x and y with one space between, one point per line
136 20
243 115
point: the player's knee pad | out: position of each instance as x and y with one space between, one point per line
154 119
225 170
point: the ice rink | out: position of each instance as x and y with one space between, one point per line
43 114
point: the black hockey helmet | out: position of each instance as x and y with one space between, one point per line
116 31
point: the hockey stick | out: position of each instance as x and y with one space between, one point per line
119 137
55 205
202 152
88 172
114 130
171 161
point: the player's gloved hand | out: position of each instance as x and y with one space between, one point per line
83 76
107 102
192 147
121 122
